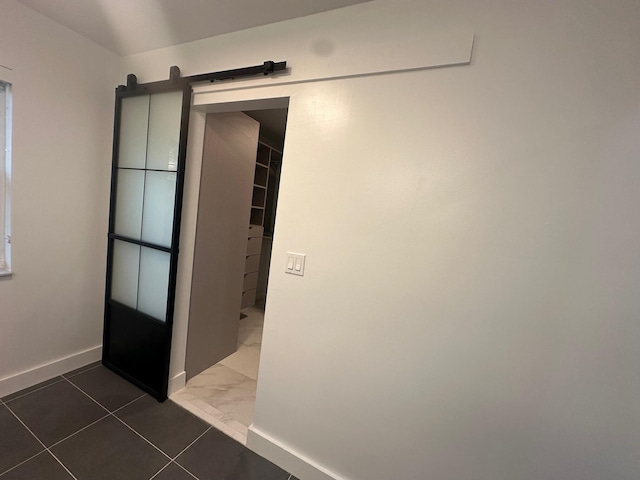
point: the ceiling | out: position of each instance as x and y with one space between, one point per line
132 26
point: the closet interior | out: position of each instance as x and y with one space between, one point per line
238 193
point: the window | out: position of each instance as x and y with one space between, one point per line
5 172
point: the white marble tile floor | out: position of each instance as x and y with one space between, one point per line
224 395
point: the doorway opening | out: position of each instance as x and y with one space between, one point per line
242 160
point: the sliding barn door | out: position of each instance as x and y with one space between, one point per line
146 197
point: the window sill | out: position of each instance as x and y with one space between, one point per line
5 273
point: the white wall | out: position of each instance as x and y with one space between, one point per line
51 308
469 307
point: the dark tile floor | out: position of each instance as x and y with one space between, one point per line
90 424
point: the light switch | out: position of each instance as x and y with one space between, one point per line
295 263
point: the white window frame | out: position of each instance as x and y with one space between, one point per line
5 174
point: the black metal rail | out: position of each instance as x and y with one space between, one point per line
267 68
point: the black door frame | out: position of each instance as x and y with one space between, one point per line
135 345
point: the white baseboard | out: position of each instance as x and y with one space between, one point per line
177 382
287 458
35 375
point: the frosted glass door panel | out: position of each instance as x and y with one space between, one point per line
165 112
129 203
134 117
154 282
124 276
159 199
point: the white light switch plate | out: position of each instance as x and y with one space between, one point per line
295 263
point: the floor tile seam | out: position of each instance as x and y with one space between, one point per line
67 376
25 426
141 436
255 380
183 468
198 438
41 443
161 470
220 423
223 418
243 374
239 432
202 415
23 462
200 409
129 403
34 391
108 414
89 396
227 421
221 397
233 408
117 409
79 430
63 465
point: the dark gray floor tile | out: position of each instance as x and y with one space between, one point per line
80 370
16 443
294 478
32 389
107 388
55 412
212 456
173 472
254 467
216 456
166 425
109 450
40 467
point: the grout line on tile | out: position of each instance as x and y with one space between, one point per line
158 472
93 399
63 465
127 404
37 389
176 463
41 443
25 426
110 412
199 437
134 431
24 461
80 430
118 419
65 375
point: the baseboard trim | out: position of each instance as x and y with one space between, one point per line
47 371
287 458
177 382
